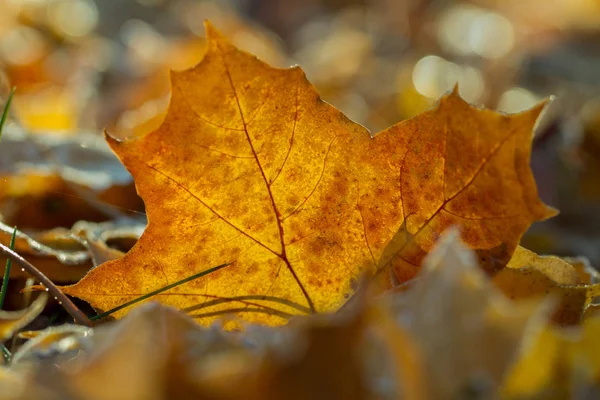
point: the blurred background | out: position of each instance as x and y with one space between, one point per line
80 66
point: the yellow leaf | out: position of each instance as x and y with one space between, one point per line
529 275
537 368
49 109
553 267
251 167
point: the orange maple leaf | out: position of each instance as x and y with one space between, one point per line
251 167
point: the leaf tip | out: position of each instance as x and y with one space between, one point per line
111 140
455 90
549 212
212 33
541 106
451 96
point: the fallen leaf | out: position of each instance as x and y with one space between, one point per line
64 340
592 311
557 363
169 356
537 369
12 321
129 364
528 275
33 200
587 273
49 108
65 255
154 353
252 168
55 181
584 355
345 356
553 267
468 332
12 384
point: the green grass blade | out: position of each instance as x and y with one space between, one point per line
4 288
5 112
154 293
6 353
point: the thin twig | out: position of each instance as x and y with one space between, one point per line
68 305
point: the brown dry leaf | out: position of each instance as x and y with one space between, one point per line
55 181
157 352
329 367
38 200
50 341
122 366
43 201
59 256
11 384
361 354
154 353
469 333
66 255
252 168
592 311
529 275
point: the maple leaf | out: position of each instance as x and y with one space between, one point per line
251 167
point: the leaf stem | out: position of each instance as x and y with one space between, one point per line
68 305
4 288
154 293
6 108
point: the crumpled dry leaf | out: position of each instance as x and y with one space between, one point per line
96 237
12 384
66 255
158 353
250 167
85 159
328 365
12 321
451 334
40 201
65 340
529 275
469 333
54 181
149 355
